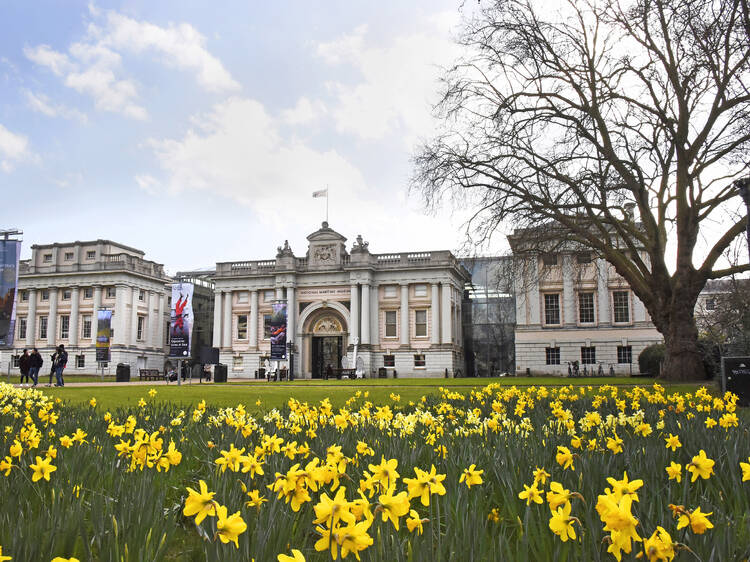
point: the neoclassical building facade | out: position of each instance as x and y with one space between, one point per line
63 285
401 312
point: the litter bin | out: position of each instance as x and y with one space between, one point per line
220 373
122 374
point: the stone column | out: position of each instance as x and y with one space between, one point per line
120 315
354 319
74 311
52 318
375 316
534 317
365 313
134 315
160 325
602 291
569 315
291 311
279 293
434 315
404 339
217 318
31 320
445 315
227 324
95 313
254 319
151 320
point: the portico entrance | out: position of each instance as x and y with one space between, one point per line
323 338
326 351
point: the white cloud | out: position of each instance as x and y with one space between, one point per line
94 65
13 148
304 112
238 151
399 81
148 183
42 104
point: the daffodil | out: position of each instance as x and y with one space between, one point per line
229 528
295 557
415 522
674 471
561 523
471 476
200 503
659 547
673 442
42 469
745 466
393 506
4 558
531 494
701 466
5 465
697 520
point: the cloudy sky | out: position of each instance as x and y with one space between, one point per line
199 134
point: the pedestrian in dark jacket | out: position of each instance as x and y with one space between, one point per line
23 365
59 362
35 363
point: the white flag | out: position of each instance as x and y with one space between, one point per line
321 193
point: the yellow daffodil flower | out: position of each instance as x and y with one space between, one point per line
200 503
701 466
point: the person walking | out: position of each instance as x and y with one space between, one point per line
23 366
59 362
35 364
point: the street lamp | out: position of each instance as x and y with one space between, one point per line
290 355
743 185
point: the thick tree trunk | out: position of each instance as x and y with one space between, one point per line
683 360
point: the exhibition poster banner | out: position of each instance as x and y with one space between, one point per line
10 251
278 331
103 335
181 320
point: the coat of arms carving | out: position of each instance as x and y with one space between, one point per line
325 254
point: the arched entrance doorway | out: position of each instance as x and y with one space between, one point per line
327 337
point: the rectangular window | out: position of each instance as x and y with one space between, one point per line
269 296
621 305
583 257
552 355
588 355
266 326
420 323
87 327
237 363
549 259
242 327
68 256
91 254
242 296
390 291
45 295
66 294
711 304
22 328
391 328
80 361
42 327
389 360
141 295
64 326
111 292
552 309
586 308
420 290
141 326
47 258
419 361
624 354
88 293
16 361
24 296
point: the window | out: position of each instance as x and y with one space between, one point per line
111 292
242 327
141 295
552 355
586 308
45 294
583 257
24 296
91 254
141 326
390 291
88 293
389 360
66 294
242 296
68 256
269 296
621 303
420 290
420 323
237 363
419 361
391 328
80 361
588 355
711 304
21 327
42 327
624 354
87 327
64 326
47 258
549 259
552 309
266 326
16 360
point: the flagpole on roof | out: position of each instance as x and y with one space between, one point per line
326 202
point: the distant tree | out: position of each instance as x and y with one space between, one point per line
724 318
571 118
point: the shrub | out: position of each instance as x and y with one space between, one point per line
650 359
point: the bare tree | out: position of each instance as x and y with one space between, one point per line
567 118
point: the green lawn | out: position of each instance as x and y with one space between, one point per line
275 395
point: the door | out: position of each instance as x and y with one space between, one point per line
326 351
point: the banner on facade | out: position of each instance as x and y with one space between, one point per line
181 320
278 331
103 335
10 251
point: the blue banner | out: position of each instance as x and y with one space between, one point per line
10 252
